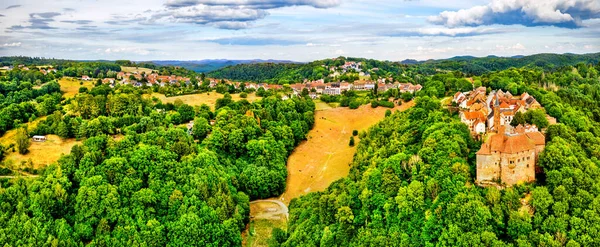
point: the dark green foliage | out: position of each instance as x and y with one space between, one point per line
23 141
351 143
411 182
354 132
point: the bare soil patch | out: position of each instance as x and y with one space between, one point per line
209 99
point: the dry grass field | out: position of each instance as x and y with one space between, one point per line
134 69
70 86
209 99
40 153
325 157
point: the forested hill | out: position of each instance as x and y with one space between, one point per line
291 73
479 66
412 180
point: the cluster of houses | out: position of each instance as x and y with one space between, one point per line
509 154
478 111
138 80
337 88
44 71
348 66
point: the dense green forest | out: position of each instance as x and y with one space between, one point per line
139 179
412 178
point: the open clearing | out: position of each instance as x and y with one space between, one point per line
70 86
139 70
40 153
325 157
265 216
209 99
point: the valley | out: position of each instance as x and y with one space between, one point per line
314 164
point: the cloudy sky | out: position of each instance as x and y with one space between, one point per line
299 30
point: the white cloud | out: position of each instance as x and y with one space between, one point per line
515 47
563 13
14 44
451 32
127 50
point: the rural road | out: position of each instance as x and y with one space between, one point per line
283 209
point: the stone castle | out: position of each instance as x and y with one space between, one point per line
509 156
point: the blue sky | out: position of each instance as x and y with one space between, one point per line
299 30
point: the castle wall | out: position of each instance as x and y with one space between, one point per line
488 168
518 167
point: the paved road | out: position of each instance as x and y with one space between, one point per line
283 208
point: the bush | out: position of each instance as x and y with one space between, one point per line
243 95
374 104
388 113
354 104
387 104
355 132
351 144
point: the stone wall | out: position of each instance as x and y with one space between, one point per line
518 167
488 168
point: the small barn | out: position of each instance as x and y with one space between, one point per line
39 138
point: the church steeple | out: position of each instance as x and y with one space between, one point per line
497 113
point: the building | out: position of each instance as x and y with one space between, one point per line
85 78
330 90
475 120
509 157
39 138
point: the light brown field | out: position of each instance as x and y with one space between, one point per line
325 157
40 153
70 86
209 99
134 69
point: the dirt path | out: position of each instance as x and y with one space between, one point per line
269 209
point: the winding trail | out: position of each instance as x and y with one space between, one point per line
283 209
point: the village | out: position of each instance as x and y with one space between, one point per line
314 88
509 154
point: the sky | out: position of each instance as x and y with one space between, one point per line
297 30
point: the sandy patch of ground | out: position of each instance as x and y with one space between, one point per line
325 157
134 69
209 99
70 86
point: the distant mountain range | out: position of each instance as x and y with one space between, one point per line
208 65
457 58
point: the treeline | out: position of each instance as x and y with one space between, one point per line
21 103
295 73
480 66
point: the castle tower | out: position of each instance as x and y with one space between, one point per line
497 114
